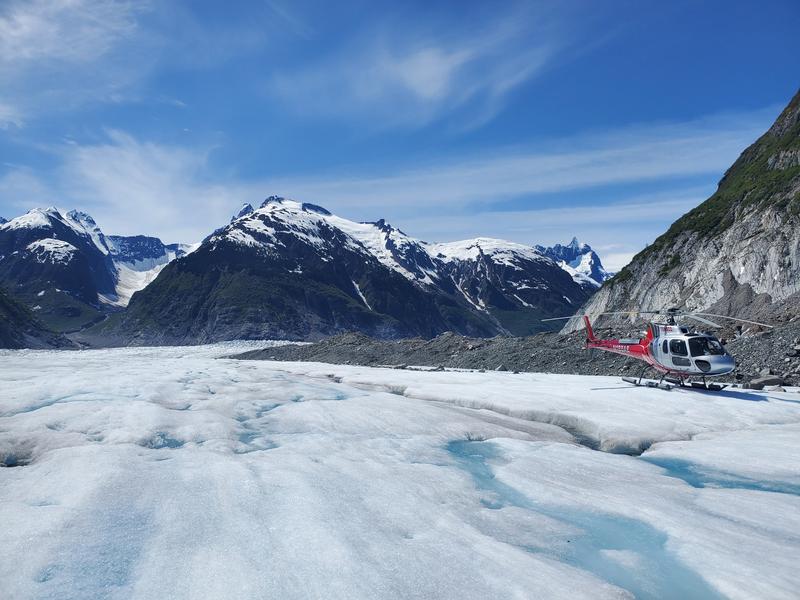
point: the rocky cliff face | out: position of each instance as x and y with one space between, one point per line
738 253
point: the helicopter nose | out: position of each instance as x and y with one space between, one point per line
719 364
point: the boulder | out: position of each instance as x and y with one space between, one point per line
760 382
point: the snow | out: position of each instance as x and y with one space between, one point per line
376 240
171 472
84 224
51 250
501 251
370 238
133 276
129 281
361 295
306 223
580 271
33 219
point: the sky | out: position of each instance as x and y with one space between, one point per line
528 121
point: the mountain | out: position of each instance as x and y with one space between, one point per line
62 266
3 221
517 284
294 270
56 264
580 261
737 253
19 327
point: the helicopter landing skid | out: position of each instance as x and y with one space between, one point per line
702 385
662 385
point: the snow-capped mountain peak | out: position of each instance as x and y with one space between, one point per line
580 261
280 221
36 218
246 209
473 249
84 223
52 219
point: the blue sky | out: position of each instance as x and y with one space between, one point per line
528 121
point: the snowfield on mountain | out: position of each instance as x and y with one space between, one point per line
178 473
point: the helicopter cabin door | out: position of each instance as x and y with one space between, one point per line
663 349
680 353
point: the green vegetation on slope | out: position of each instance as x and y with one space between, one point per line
751 183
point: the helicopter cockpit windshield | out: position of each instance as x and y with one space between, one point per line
705 346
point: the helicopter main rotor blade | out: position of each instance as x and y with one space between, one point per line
623 312
562 318
701 319
734 319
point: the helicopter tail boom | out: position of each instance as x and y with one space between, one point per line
589 331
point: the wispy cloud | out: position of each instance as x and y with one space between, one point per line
637 154
9 116
68 31
60 53
624 226
136 186
57 56
399 75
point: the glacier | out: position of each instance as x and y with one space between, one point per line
179 472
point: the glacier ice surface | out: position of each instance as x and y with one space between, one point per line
175 472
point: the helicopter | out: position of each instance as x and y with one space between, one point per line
678 352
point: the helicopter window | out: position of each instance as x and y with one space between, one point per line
665 347
701 346
678 347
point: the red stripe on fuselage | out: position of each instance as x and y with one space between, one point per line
640 351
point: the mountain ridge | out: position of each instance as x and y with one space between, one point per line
310 273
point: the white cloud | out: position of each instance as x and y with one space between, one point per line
133 186
58 54
9 116
61 55
21 190
67 31
614 261
401 76
640 154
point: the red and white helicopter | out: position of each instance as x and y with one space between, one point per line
679 353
